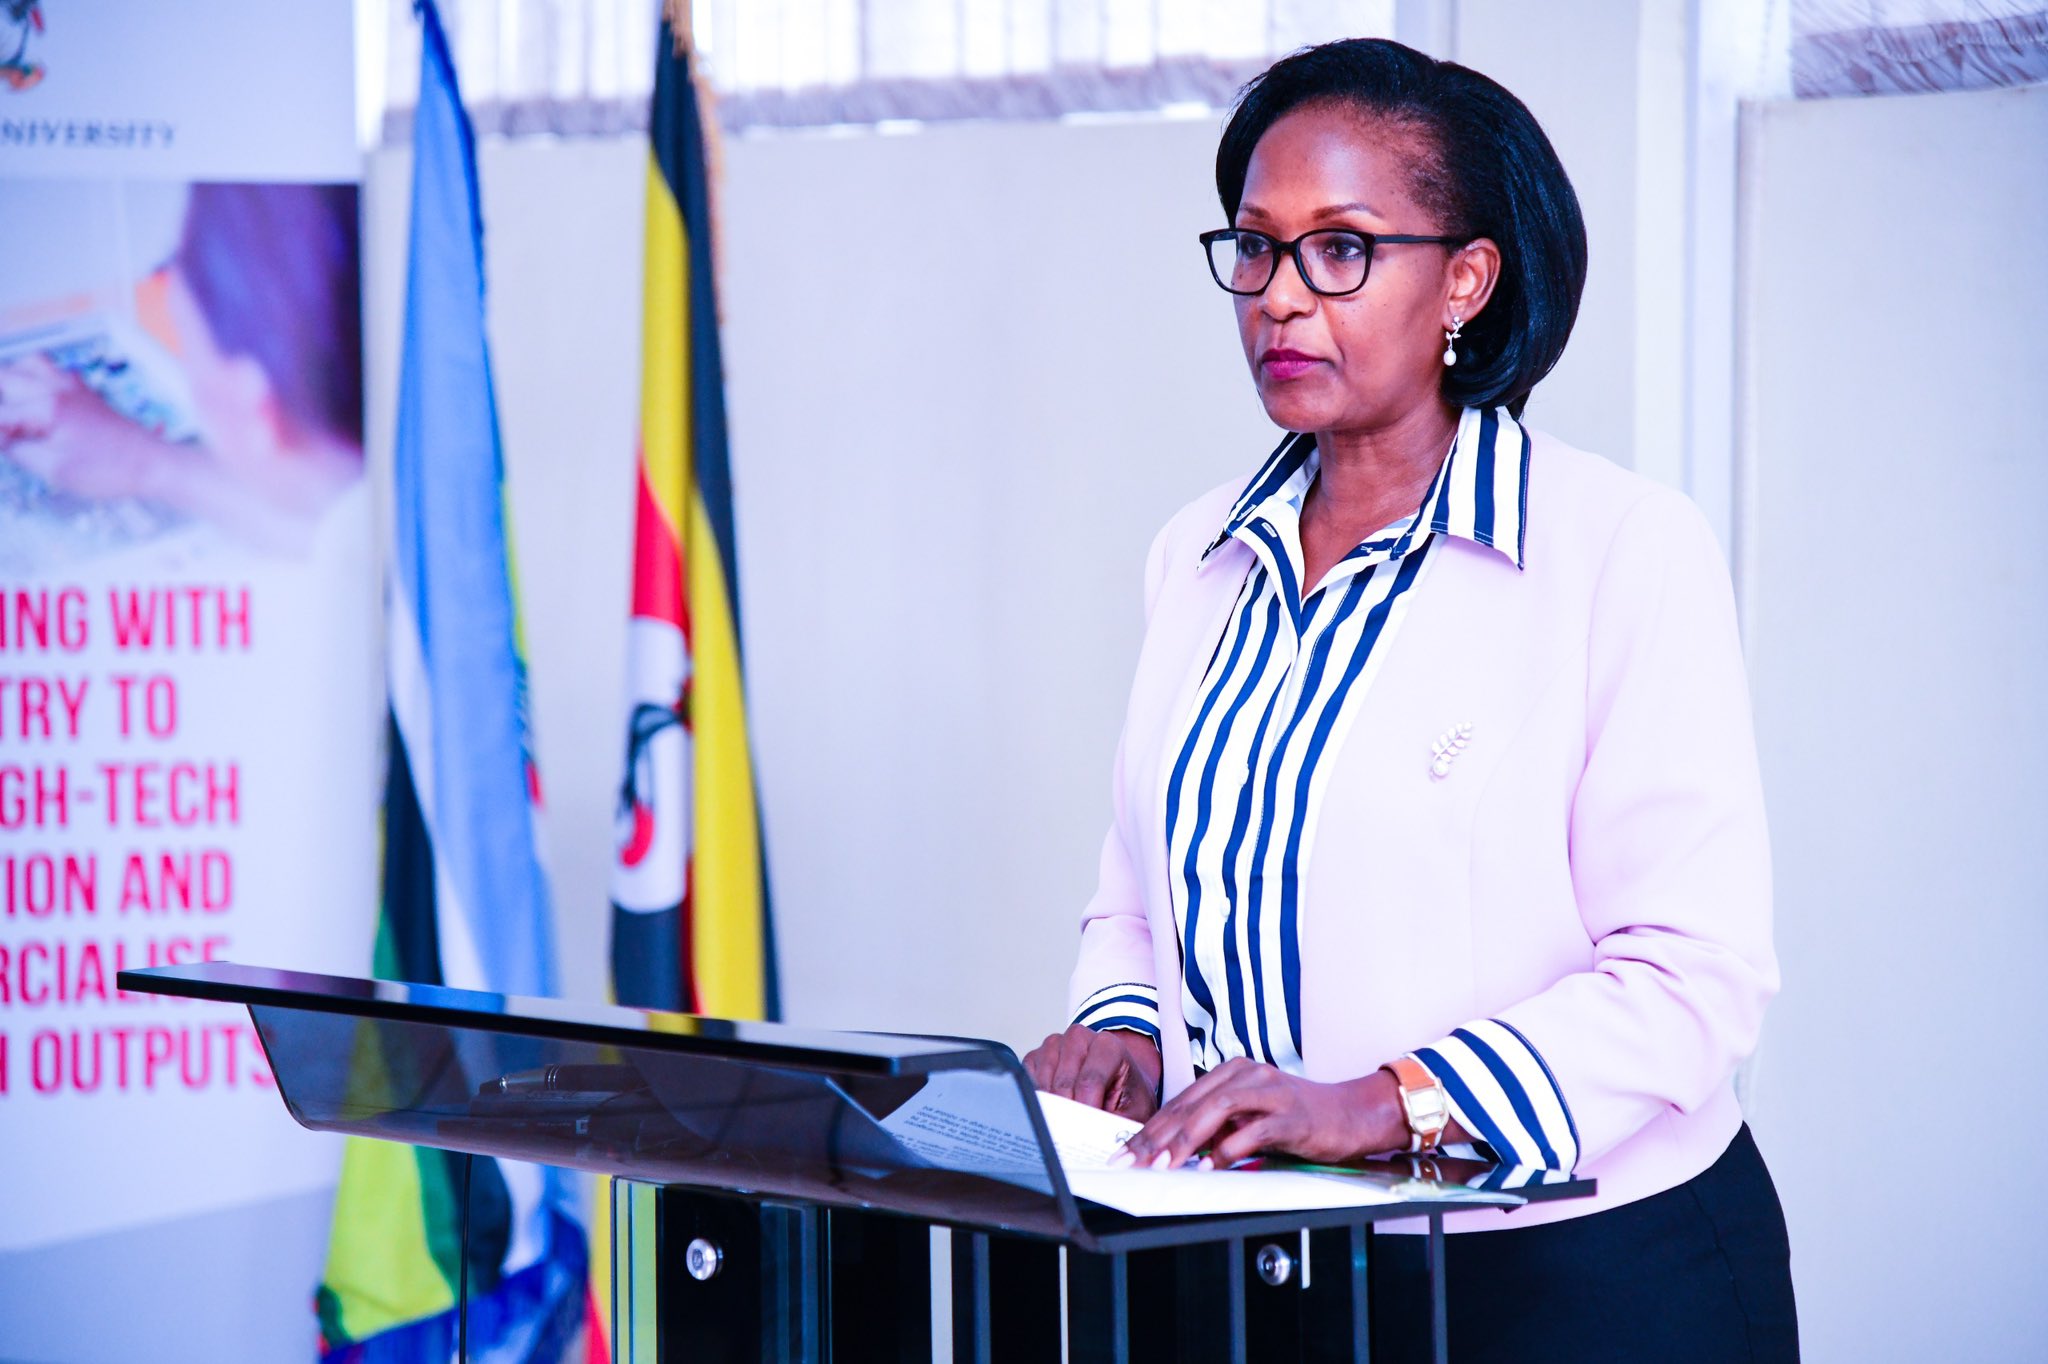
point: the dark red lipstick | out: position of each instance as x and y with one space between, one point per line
1281 363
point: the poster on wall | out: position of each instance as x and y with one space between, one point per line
189 676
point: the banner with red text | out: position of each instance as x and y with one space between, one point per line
190 682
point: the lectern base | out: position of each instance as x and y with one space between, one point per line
731 1279
701 1276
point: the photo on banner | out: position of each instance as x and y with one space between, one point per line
190 677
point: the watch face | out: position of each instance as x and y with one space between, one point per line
1427 1108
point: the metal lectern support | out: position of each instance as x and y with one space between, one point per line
1439 1312
1098 1308
1335 1303
973 1332
636 1281
1253 1294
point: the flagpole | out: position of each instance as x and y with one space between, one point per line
680 16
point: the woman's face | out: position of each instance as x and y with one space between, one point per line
1366 360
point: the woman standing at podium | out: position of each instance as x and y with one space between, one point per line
1437 815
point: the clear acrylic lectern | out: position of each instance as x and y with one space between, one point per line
778 1185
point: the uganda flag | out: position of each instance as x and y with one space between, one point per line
690 922
464 900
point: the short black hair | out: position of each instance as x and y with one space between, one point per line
1487 171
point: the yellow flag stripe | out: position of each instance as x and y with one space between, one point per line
725 927
380 1269
665 432
727 945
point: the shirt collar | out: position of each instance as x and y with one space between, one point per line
1481 491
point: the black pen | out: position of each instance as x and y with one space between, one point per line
565 1080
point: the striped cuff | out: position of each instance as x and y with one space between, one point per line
1504 1095
1129 1005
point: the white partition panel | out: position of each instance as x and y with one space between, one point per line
977 368
971 370
1899 653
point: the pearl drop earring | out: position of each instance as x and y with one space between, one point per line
1451 340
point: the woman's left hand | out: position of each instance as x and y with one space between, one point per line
1243 1108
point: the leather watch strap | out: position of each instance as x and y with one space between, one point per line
1424 1103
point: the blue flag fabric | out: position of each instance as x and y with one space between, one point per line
470 749
464 896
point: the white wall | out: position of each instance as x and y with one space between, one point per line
1547 57
947 474
1899 648
971 369
948 471
959 411
981 366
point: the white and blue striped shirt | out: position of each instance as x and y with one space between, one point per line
1287 679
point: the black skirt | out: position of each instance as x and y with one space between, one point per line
1701 1272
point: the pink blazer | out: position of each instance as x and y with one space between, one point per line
1595 871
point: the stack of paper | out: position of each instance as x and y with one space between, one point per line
1087 1138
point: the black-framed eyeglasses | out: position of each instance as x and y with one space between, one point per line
1332 261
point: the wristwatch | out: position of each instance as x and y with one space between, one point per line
1423 1100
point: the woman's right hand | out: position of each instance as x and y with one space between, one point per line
1117 1070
